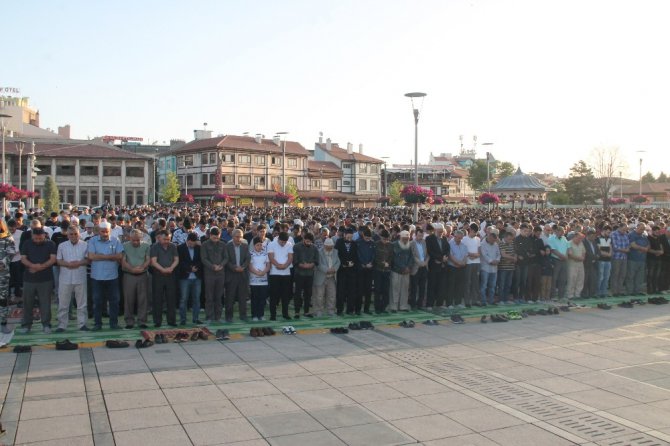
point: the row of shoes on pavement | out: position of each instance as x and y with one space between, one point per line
362 325
339 330
289 330
660 300
257 332
183 336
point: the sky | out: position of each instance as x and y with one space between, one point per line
546 82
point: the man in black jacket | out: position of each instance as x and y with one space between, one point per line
438 251
346 276
305 261
190 277
237 278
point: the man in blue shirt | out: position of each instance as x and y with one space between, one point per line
105 253
637 257
559 254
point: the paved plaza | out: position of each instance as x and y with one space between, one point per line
589 377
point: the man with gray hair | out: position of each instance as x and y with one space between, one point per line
237 277
403 261
105 253
71 257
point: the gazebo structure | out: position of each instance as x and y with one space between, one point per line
522 188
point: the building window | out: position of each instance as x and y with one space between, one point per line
362 184
117 197
363 168
374 168
83 197
333 184
44 169
204 159
65 170
244 180
228 158
259 181
189 180
316 184
70 196
244 159
139 198
88 170
227 179
346 166
186 161
292 181
346 183
292 162
111 171
129 198
275 160
374 184
93 196
134 171
260 160
161 163
205 179
276 181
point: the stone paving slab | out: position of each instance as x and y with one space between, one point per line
584 377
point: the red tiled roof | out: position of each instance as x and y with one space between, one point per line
340 153
73 149
245 143
251 193
325 168
647 188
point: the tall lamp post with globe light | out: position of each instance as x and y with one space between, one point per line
415 110
4 166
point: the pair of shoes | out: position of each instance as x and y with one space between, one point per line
638 302
65 344
625 304
339 330
60 330
202 335
531 312
354 326
457 319
195 336
366 325
129 327
431 322
181 337
23 349
289 330
660 300
604 306
564 308
143 343
222 335
483 319
407 324
553 310
116 344
256 332
514 315
160 338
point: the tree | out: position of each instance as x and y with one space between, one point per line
580 185
496 171
605 163
51 198
395 195
648 178
292 189
172 189
662 178
558 197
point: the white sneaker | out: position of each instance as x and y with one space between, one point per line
254 319
450 307
47 330
261 318
461 306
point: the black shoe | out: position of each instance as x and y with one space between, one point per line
297 316
457 319
97 328
197 322
273 318
84 328
66 345
143 326
129 327
112 343
309 315
157 325
354 326
182 323
483 319
60 330
625 304
158 339
604 306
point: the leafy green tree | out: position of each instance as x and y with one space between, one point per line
51 198
558 197
648 178
580 186
496 171
662 178
394 193
172 190
292 189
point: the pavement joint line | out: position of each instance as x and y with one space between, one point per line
637 381
560 432
99 421
535 389
660 435
627 423
18 382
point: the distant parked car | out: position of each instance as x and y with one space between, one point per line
65 207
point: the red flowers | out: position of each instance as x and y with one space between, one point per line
282 198
415 194
488 198
186 198
14 193
222 197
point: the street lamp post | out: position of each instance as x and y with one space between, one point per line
415 111
386 184
640 152
489 157
4 167
20 146
283 171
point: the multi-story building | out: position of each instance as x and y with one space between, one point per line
23 120
86 172
361 174
448 181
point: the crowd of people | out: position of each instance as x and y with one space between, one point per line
127 264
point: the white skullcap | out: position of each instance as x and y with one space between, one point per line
438 226
404 234
104 225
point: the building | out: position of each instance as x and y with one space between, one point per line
23 119
86 172
655 192
522 188
448 181
361 174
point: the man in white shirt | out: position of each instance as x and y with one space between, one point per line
280 253
71 258
472 242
